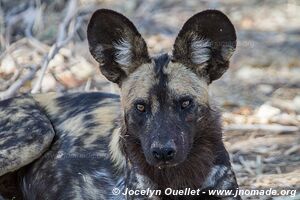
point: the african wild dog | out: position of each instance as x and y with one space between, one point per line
166 134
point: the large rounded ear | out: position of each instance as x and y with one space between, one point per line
116 44
205 43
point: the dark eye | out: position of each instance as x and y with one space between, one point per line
140 107
185 103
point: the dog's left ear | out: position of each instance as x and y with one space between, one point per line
205 43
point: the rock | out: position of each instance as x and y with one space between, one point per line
266 112
296 102
249 74
8 65
48 83
265 88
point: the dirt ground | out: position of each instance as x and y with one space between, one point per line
43 48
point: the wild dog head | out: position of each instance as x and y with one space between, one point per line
167 114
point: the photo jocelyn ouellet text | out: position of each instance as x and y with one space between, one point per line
195 192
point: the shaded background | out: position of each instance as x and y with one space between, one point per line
43 48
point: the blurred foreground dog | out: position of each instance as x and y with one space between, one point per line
162 132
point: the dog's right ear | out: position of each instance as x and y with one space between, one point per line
116 44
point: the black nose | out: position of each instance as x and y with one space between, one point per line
163 154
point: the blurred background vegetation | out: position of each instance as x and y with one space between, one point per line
43 48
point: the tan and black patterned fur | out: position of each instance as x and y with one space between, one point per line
82 145
72 155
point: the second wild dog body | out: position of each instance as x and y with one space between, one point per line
163 131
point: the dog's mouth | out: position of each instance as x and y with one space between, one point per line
164 165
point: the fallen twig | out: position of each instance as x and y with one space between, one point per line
291 150
262 127
5 84
62 39
14 88
35 44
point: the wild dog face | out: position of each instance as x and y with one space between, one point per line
164 98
